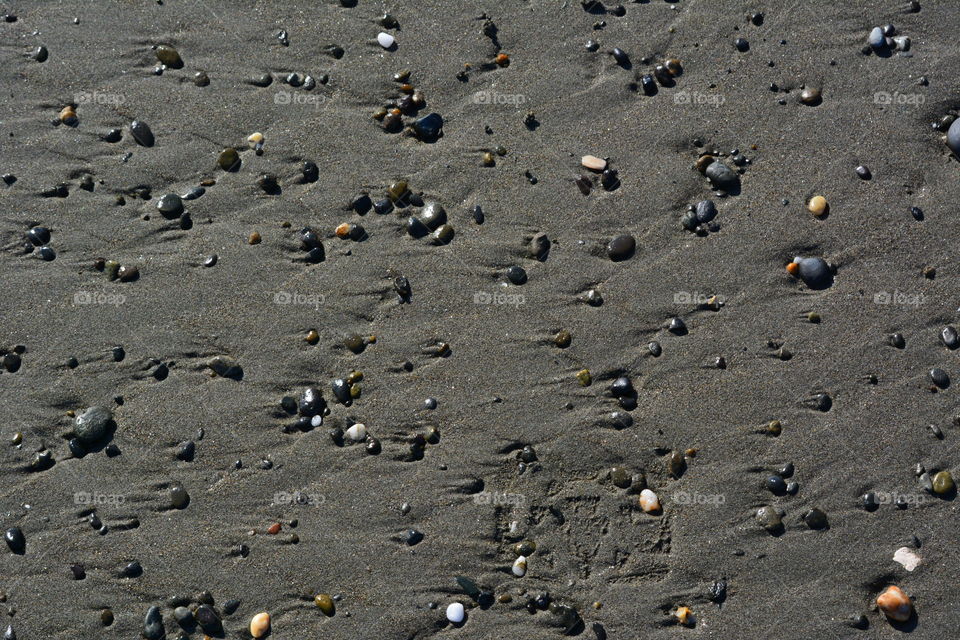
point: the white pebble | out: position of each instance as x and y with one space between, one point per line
907 558
520 566
385 39
649 501
316 421
593 163
357 432
455 612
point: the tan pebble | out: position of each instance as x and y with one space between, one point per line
313 337
260 625
593 163
255 140
703 162
895 604
818 206
254 238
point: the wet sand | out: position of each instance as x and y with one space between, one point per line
504 384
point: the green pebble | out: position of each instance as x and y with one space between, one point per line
584 378
943 483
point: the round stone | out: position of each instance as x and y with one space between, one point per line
170 205
93 424
455 612
179 498
517 275
815 273
818 206
943 483
621 247
385 40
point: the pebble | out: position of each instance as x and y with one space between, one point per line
141 133
949 337
201 79
810 96
179 498
168 56
357 432
260 625
170 205
15 540
877 40
721 176
863 172
943 483
226 367
649 501
815 518
385 40
593 163
815 272
906 557
93 424
953 137
706 211
455 613
939 377
895 604
153 628
769 518
429 127
655 349
741 44
818 206
621 247
517 275
229 159
325 603
38 236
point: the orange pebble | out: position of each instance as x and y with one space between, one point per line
274 529
895 604
343 230
793 268
502 59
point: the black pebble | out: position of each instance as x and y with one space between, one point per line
118 353
38 236
776 485
412 537
621 57
142 133
15 540
741 44
940 378
186 451
478 214
864 172
47 254
310 170
917 213
517 275
133 570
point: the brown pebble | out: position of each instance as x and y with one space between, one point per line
810 96
274 529
895 604
312 337
703 162
254 238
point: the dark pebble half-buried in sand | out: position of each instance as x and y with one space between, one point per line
621 247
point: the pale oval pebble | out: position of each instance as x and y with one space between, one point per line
455 612
817 205
520 566
255 140
906 557
593 163
649 501
316 421
385 39
260 625
357 432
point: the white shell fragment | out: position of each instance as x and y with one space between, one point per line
593 163
520 566
385 39
906 557
455 613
